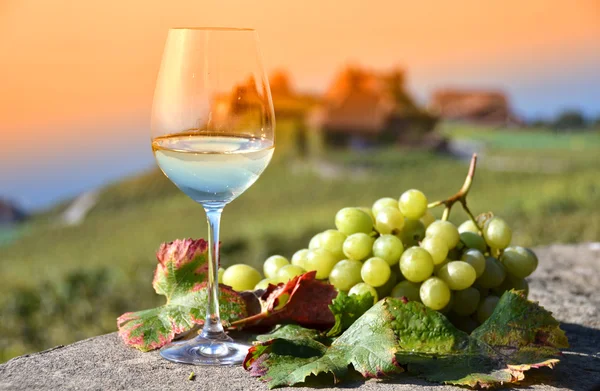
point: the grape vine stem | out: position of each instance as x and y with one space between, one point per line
460 196
249 320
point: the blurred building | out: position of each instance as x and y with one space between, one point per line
240 108
246 104
292 108
364 108
361 108
289 103
486 107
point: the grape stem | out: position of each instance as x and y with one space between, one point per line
257 318
460 196
249 320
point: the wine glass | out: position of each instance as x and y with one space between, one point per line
213 134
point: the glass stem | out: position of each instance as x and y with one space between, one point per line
213 329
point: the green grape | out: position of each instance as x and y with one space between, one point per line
436 247
520 284
345 274
483 292
427 219
535 258
445 230
511 282
320 260
389 221
434 293
518 261
497 233
468 226
448 307
407 289
361 288
385 289
476 259
389 248
281 301
288 272
472 240
493 275
315 241
332 241
241 277
383 203
399 275
358 246
412 232
264 284
486 308
353 220
505 286
466 301
368 211
413 204
375 272
463 323
416 264
273 264
438 267
458 275
299 258
221 271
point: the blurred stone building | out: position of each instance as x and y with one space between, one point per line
363 108
292 109
485 107
360 109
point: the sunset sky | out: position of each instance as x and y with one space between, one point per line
76 77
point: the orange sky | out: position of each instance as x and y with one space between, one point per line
64 61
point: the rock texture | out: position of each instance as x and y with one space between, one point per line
567 283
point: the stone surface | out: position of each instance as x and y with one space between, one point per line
567 283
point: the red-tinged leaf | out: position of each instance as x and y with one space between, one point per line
302 300
180 276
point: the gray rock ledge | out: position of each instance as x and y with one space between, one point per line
567 283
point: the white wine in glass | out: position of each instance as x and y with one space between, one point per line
213 134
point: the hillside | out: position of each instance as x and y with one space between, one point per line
59 284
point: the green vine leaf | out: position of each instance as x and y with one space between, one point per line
395 335
369 345
180 276
347 309
291 332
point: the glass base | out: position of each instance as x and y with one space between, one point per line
206 351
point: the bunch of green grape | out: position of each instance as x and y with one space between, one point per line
397 248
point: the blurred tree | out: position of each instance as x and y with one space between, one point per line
570 119
539 123
395 83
